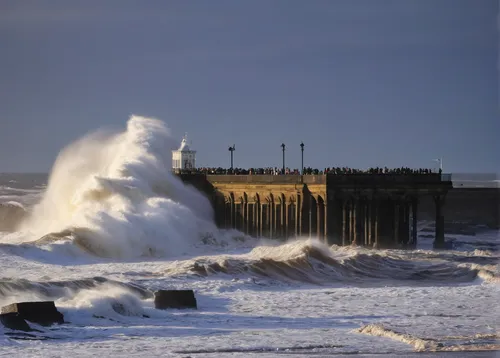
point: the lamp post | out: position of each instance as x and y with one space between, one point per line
283 148
232 149
302 152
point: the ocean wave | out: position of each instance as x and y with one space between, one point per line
476 342
11 215
21 191
113 195
313 263
12 289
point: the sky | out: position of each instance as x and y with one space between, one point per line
361 83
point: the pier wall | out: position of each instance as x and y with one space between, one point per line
374 210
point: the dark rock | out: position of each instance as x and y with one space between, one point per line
175 299
14 321
43 313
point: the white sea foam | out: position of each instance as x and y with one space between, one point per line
108 302
9 189
115 195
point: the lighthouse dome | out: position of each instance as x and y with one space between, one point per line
184 146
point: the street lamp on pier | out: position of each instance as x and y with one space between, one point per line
283 148
302 152
232 149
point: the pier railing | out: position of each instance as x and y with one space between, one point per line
361 178
256 178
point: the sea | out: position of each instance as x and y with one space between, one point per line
110 225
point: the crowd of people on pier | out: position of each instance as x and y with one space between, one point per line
307 171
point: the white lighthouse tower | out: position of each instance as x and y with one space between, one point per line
184 157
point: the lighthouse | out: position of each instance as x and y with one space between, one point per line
184 157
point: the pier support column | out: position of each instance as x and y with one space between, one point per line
350 213
270 212
246 218
224 217
298 216
271 220
375 224
265 214
407 224
283 220
366 223
396 223
414 210
228 214
300 200
256 206
250 218
231 213
237 215
344 222
286 209
277 220
325 223
255 219
319 227
439 239
370 222
310 215
260 219
354 222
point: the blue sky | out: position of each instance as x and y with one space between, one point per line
362 83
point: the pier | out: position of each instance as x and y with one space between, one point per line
365 209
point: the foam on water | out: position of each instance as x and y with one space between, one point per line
113 194
109 302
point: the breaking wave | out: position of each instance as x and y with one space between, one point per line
12 289
312 262
113 194
11 215
477 342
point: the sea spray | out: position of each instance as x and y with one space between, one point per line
114 195
107 302
11 214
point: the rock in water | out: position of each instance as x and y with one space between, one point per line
175 299
14 321
44 313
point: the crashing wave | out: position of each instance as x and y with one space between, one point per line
312 262
11 215
113 194
10 289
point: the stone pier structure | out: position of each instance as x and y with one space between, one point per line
374 210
